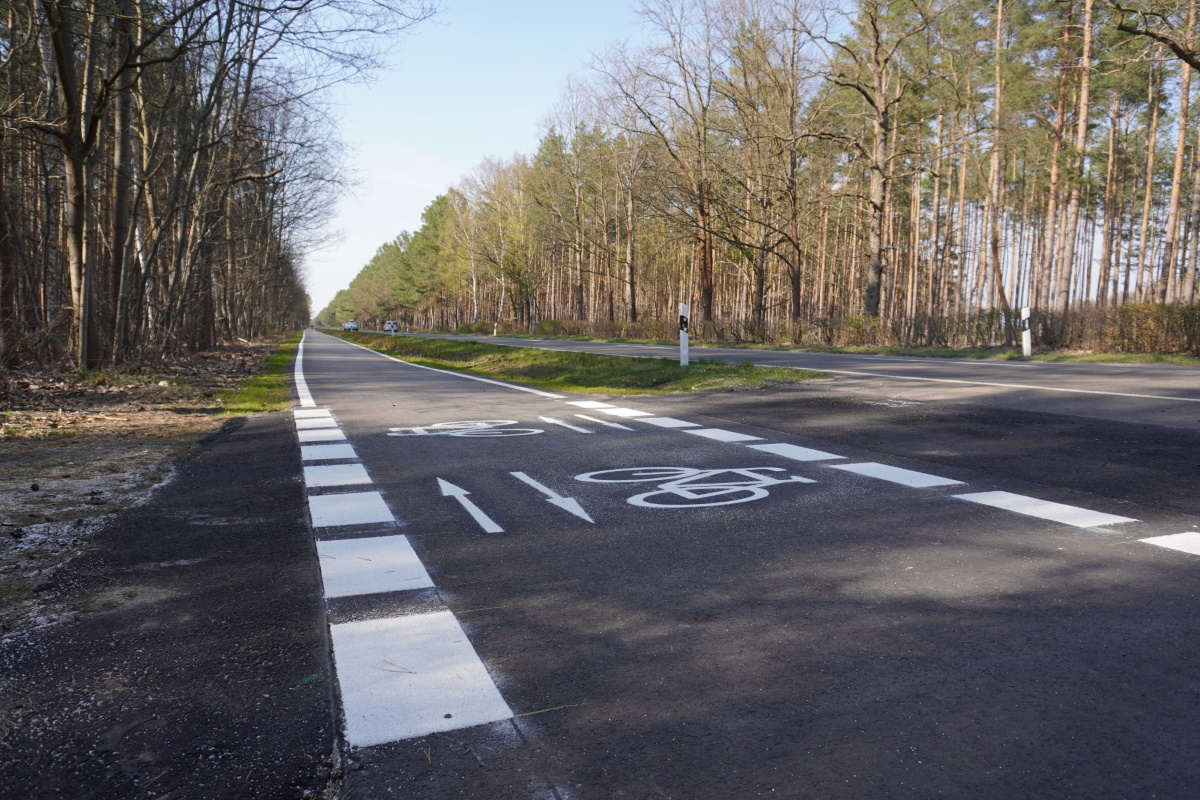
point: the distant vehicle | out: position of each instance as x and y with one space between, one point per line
391 326
350 326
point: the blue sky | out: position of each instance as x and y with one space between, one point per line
476 81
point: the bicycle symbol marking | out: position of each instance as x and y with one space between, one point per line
690 487
475 429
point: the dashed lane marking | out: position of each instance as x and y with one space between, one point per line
1188 542
668 422
311 413
335 475
605 422
589 404
722 435
315 423
554 421
323 435
1043 509
794 452
354 508
410 676
370 566
625 412
905 477
327 452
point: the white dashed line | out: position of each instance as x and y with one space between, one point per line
369 566
1043 509
311 413
589 404
315 424
1183 542
625 412
722 435
327 452
411 676
905 477
668 422
323 435
355 508
335 475
794 452
605 422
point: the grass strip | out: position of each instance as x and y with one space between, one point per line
563 371
266 391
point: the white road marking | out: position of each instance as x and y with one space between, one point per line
354 508
324 435
791 451
315 424
554 421
689 487
306 399
311 413
335 475
370 565
905 477
625 412
411 676
456 374
568 504
605 422
589 404
668 422
460 494
1043 509
1188 542
722 435
326 452
475 429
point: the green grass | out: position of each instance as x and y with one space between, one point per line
266 391
578 372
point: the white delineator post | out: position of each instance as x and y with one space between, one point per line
683 334
1026 333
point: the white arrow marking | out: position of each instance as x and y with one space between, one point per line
554 421
568 504
605 422
460 494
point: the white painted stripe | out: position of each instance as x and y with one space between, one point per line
302 392
315 424
605 422
371 565
668 422
791 451
554 421
589 404
335 475
411 676
625 412
905 477
1043 509
722 435
456 374
1183 542
355 508
311 413
324 435
326 452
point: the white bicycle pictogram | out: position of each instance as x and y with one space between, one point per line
691 487
479 428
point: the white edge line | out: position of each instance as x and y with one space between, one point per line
302 393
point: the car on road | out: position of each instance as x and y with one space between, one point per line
350 325
391 326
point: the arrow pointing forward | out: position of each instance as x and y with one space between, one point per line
460 494
568 504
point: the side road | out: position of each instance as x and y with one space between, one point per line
197 662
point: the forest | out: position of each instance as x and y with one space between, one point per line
908 172
165 165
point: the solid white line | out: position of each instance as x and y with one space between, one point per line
403 677
554 421
668 422
791 451
625 412
354 508
456 374
605 422
327 452
905 477
370 565
311 413
1188 542
589 404
722 435
335 475
316 423
306 398
1043 509
323 435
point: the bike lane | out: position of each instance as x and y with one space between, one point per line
640 589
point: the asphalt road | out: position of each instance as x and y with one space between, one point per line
857 588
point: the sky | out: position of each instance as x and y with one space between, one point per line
476 81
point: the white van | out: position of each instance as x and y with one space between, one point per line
391 326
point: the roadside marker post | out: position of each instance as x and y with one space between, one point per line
683 334
1026 333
